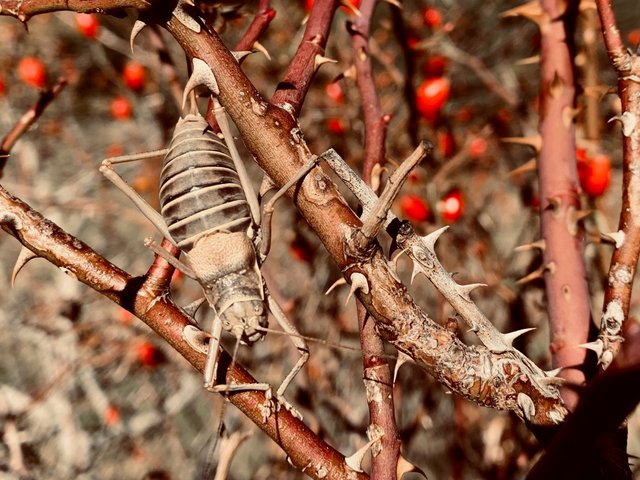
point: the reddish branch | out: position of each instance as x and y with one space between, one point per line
565 276
293 88
147 298
28 119
625 257
260 22
377 372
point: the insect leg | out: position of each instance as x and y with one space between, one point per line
245 181
297 340
268 209
213 354
106 168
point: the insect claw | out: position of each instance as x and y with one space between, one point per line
23 258
358 281
196 338
337 283
201 75
138 26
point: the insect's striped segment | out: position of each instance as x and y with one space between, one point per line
200 191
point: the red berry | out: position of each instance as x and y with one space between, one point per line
125 317
111 416
121 108
334 92
431 96
148 354
2 86
134 75
446 143
451 206
434 66
32 72
594 173
477 147
414 207
335 126
634 37
88 24
432 17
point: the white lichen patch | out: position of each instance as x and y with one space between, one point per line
621 273
613 317
629 122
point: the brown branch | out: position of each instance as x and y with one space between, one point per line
28 118
565 278
146 298
625 256
260 22
377 372
293 88
273 136
23 10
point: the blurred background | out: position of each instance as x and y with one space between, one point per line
87 391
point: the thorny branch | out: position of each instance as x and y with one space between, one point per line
377 372
624 260
494 375
146 298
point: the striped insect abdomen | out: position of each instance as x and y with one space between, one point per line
200 191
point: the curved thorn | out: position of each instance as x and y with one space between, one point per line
430 240
319 60
355 461
239 55
534 141
23 258
358 281
417 269
617 237
595 346
511 336
337 283
538 244
201 75
405 466
402 359
138 26
465 290
261 48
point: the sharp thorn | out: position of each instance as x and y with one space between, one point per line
196 338
358 281
529 166
337 283
595 346
319 60
529 60
396 4
260 48
430 240
538 244
416 271
201 75
405 466
511 336
537 273
355 461
535 141
350 6
193 307
239 55
138 26
465 290
617 237
402 359
23 258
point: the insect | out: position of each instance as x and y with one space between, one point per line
210 211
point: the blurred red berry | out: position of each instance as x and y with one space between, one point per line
477 147
121 108
434 66
134 75
446 143
334 92
414 207
88 24
111 416
451 206
336 126
594 173
148 354
431 96
464 114
125 316
432 17
32 72
3 87
412 43
634 37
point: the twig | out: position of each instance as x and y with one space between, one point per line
28 118
296 82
